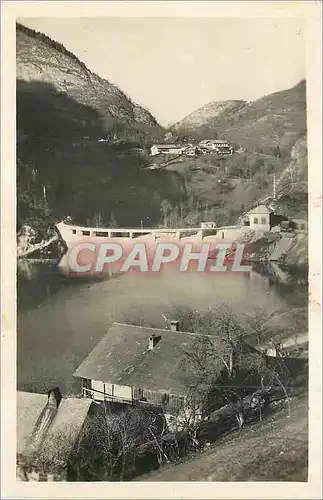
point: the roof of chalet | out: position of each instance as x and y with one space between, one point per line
122 357
167 146
260 209
62 425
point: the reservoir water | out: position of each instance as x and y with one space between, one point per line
60 320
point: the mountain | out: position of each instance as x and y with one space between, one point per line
206 113
41 59
260 125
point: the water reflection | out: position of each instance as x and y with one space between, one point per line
38 280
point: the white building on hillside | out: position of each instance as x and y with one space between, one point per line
219 146
260 218
170 149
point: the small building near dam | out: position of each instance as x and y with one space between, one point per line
208 225
263 218
259 218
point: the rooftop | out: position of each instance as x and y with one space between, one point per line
123 357
29 407
260 209
39 426
166 146
214 141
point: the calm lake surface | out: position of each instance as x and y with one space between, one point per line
61 319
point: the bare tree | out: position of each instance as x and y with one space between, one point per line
223 323
110 445
257 326
222 367
165 207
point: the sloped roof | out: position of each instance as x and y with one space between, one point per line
40 427
260 209
214 141
29 407
166 146
122 357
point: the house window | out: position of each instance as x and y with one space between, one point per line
263 220
74 231
86 233
255 220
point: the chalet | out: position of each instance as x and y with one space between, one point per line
47 428
170 149
219 146
139 364
259 218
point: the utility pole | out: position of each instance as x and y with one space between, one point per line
222 192
45 198
44 194
274 191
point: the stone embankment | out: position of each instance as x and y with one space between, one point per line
31 243
287 248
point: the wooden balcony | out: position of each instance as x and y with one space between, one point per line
101 396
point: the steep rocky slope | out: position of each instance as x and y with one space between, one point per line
40 59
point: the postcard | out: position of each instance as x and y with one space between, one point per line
161 249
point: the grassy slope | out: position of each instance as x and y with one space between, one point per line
272 450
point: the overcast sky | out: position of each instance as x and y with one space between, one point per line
173 66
